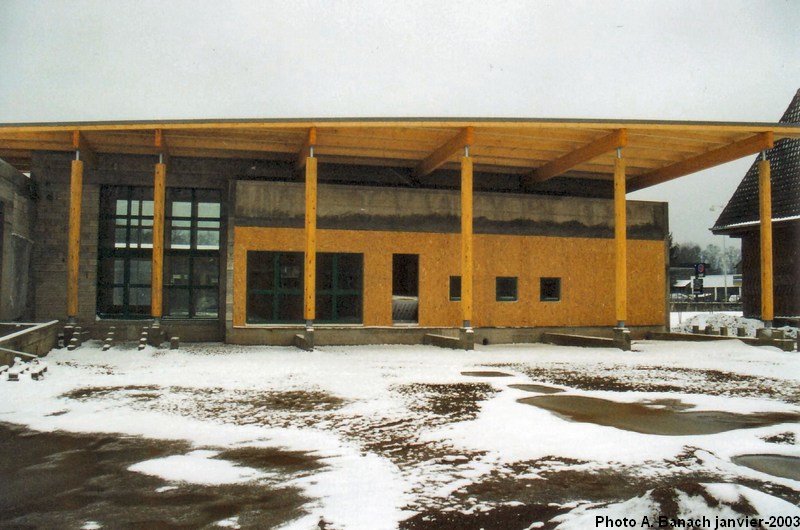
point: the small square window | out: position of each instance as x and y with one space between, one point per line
506 288
455 288
550 289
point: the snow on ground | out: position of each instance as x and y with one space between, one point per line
682 322
402 431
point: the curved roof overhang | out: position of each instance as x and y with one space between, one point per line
535 149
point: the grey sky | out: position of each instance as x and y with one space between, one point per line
77 60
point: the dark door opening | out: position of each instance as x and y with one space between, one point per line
405 288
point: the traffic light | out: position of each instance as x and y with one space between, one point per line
700 270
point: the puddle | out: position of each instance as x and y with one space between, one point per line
664 419
486 373
776 465
539 389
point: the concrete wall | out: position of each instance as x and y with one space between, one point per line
52 175
17 204
281 204
35 339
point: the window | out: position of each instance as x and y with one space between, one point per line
339 287
455 288
550 289
275 287
125 251
506 289
191 255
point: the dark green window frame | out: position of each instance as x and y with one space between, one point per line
192 235
455 288
550 289
275 287
125 252
339 292
506 289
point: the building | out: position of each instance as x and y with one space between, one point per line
352 231
716 288
741 219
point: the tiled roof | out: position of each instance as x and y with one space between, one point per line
742 209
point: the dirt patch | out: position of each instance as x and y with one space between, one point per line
662 379
784 438
449 402
638 417
96 392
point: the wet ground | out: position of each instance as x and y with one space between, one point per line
58 480
662 418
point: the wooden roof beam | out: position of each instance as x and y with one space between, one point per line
439 157
590 151
307 149
85 151
715 157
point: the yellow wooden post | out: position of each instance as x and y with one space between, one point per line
621 243
159 191
466 239
765 213
310 283
74 241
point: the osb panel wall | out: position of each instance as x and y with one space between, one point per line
585 266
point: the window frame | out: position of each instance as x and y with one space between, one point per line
336 292
110 250
506 298
455 288
278 290
136 219
193 253
542 289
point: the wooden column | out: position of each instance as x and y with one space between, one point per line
159 191
620 243
765 213
310 283
74 241
466 239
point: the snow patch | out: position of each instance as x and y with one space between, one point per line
198 467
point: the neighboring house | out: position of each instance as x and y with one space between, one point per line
740 219
716 288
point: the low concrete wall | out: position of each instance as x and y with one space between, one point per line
704 307
343 335
187 330
34 339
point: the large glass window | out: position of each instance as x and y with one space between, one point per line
191 256
125 249
339 287
275 287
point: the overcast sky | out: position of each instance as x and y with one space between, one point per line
72 60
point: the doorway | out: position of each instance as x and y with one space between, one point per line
405 288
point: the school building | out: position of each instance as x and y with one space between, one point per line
349 231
